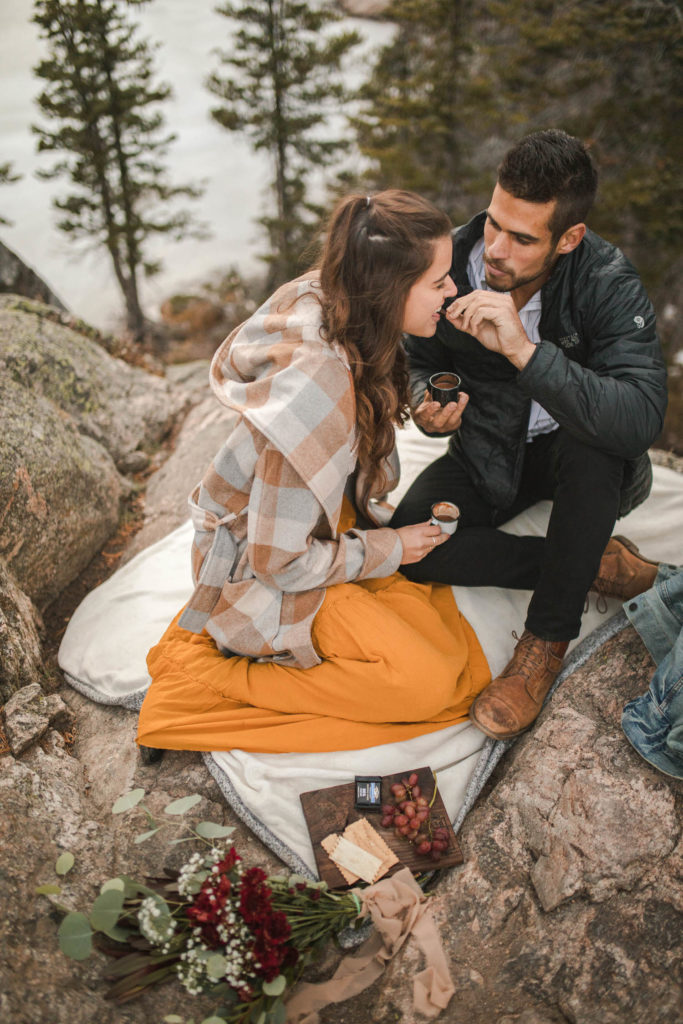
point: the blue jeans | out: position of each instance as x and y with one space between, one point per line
653 723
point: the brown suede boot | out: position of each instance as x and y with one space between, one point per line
623 572
513 700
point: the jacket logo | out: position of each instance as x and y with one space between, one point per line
638 321
569 341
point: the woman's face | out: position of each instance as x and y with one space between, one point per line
426 297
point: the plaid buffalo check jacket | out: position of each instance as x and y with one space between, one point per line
267 512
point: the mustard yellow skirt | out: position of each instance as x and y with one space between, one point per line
398 660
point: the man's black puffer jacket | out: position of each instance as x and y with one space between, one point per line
598 370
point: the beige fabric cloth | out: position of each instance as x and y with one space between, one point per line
398 909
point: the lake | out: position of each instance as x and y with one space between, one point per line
188 32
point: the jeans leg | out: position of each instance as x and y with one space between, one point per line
586 492
477 554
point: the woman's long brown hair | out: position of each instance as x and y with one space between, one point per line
375 249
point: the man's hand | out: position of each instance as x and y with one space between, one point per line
437 419
491 318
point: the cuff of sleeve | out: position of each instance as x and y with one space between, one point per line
383 553
538 366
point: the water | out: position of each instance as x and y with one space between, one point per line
188 31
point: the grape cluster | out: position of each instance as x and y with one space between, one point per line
410 817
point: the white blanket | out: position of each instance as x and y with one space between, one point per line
105 645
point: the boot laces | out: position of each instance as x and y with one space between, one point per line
527 651
600 603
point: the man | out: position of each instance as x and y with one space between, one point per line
564 390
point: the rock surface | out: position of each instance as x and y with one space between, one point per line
568 907
20 648
19 279
29 713
72 421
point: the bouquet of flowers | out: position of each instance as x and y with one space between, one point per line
229 930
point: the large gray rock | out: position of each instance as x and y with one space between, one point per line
20 650
120 406
20 279
569 904
71 417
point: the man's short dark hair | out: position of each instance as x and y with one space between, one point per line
551 165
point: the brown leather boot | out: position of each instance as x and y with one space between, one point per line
623 571
513 700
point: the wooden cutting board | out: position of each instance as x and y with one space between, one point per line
331 810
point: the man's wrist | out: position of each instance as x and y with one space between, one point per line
522 354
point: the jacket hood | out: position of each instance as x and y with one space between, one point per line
280 373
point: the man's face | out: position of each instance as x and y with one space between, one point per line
518 245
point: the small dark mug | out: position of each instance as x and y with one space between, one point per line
444 387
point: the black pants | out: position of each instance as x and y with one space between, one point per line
584 486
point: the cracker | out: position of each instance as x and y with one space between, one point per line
361 834
364 835
328 844
355 859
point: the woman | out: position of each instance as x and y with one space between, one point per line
301 635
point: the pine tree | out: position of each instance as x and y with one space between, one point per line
418 122
608 71
283 82
110 137
461 82
6 178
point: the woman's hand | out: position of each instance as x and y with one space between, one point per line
419 540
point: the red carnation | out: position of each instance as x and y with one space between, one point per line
268 959
254 897
276 928
208 907
229 861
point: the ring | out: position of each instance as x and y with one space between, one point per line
434 541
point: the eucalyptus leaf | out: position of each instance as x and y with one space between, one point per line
215 967
275 987
106 910
75 936
278 1012
172 1018
183 804
214 1020
132 887
211 830
128 800
146 835
119 934
113 883
65 862
48 890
